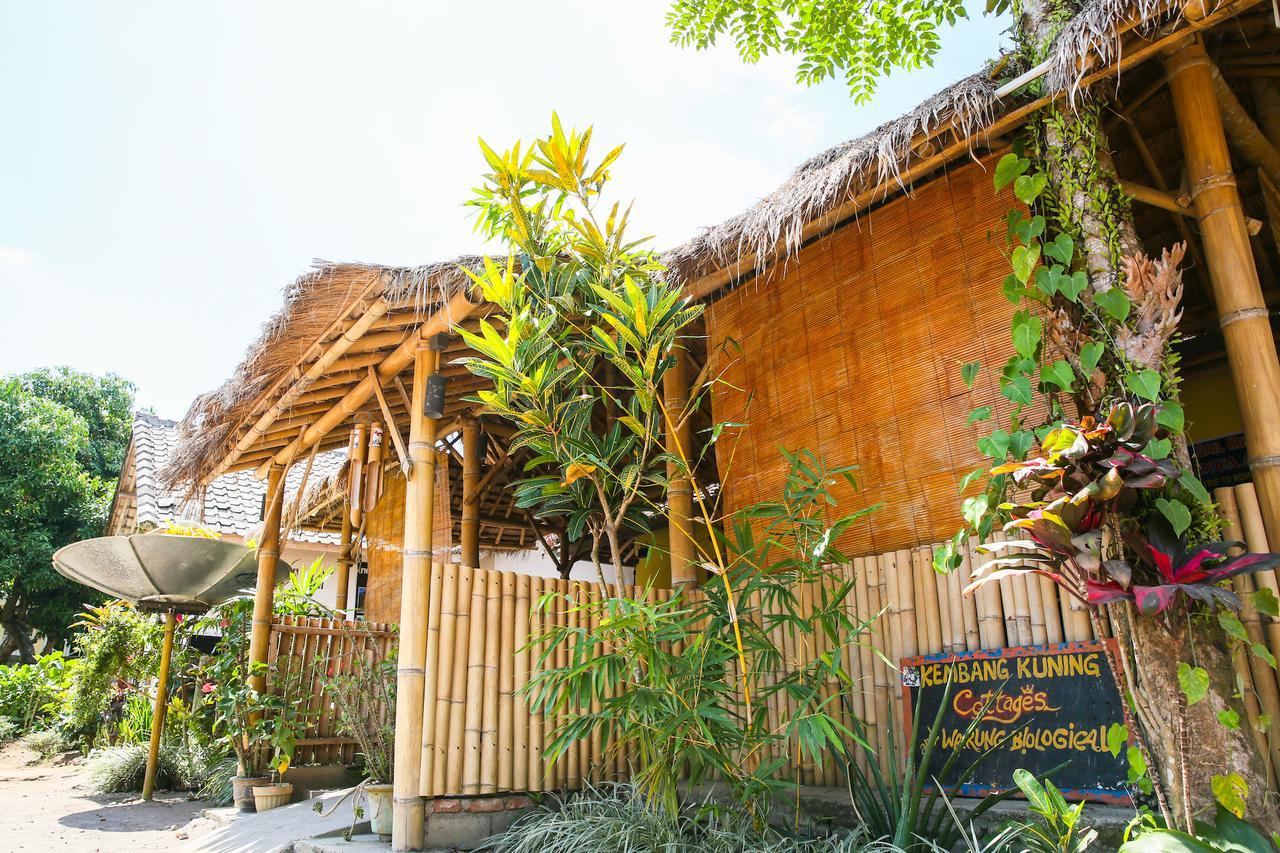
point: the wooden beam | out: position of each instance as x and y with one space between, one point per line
408 810
458 309
470 532
1242 310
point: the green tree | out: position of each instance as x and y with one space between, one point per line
63 436
860 40
588 330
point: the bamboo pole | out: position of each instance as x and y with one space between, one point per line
355 471
264 592
161 705
1255 534
345 554
431 687
449 593
506 683
955 602
520 715
1049 604
490 701
537 626
990 616
878 711
1258 681
907 610
468 628
470 539
1035 610
408 810
927 599
1242 311
968 604
939 584
675 390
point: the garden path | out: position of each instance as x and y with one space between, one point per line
48 807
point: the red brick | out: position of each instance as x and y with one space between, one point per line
446 805
485 804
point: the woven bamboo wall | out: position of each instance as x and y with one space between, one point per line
384 542
311 648
853 349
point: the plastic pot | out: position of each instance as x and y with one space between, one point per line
273 796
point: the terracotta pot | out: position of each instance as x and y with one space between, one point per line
380 808
273 796
242 791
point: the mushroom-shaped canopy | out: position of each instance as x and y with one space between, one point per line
161 571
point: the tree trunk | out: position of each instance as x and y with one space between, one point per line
1191 742
1188 745
17 631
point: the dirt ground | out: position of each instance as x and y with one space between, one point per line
49 807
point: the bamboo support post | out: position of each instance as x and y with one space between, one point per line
675 390
1242 311
346 555
470 538
161 705
408 810
264 592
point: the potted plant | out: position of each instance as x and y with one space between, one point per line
282 738
365 699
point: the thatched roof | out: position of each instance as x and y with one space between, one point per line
318 299
965 112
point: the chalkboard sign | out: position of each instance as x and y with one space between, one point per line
1041 706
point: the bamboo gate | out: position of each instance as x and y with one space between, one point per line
305 650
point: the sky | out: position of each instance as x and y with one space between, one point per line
166 169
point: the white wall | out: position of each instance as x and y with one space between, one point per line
536 562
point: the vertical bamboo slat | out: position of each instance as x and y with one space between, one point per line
489 742
431 687
506 684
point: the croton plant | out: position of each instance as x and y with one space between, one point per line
1093 475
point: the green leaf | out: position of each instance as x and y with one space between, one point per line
973 509
1117 737
1231 791
1137 764
1229 717
972 477
1013 289
1232 625
1028 187
1024 260
1177 514
1263 722
1262 652
1073 285
1090 355
981 413
969 372
1017 390
1158 448
1020 442
1010 167
1266 602
1192 484
1059 373
1114 302
1061 249
1194 682
995 445
1144 383
1026 330
1171 417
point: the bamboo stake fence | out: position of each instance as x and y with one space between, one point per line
479 736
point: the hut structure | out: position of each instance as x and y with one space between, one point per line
853 293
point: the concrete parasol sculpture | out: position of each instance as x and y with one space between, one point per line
163 573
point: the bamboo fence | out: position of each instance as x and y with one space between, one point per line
303 651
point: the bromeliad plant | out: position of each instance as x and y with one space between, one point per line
1094 473
588 329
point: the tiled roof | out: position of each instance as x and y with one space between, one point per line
232 503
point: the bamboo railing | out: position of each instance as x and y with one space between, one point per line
303 650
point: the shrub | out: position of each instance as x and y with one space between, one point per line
47 743
30 693
8 730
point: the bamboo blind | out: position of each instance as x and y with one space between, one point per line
384 537
308 649
853 349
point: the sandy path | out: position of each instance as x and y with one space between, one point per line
49 807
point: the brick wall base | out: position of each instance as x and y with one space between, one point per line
464 822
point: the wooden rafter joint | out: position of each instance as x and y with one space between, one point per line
1180 203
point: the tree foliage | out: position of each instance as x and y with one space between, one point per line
859 40
63 436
